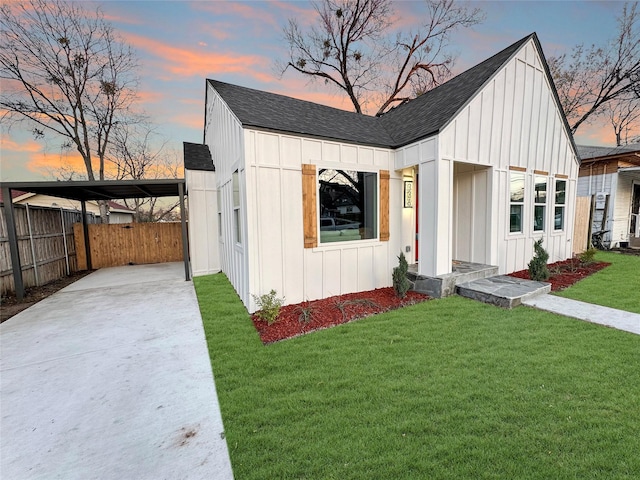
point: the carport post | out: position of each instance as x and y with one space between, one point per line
85 230
13 243
185 242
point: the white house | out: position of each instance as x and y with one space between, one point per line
475 170
611 176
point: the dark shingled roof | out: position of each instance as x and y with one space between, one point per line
427 114
419 118
198 157
256 108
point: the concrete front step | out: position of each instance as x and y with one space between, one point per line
445 285
503 291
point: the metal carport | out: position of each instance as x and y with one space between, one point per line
91 190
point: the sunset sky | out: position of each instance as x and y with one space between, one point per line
181 43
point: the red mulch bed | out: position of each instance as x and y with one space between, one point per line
330 312
566 273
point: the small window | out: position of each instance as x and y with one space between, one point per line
539 203
219 200
516 205
560 199
236 208
348 205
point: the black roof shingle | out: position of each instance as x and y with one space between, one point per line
198 157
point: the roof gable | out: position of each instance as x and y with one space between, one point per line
419 118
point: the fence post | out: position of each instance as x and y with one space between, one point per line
13 243
33 248
85 229
64 242
185 240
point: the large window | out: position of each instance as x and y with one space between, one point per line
539 203
237 221
516 202
348 203
560 199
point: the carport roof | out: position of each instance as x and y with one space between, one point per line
102 189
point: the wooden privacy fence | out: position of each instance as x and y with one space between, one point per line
581 225
45 243
113 245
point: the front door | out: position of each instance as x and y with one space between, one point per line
634 224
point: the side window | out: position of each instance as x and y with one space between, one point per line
236 208
219 200
516 201
348 205
560 199
539 203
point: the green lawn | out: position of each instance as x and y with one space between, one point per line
446 389
617 286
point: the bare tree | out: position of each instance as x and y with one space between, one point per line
354 49
66 73
138 152
591 77
624 116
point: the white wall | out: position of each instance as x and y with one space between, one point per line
515 121
225 137
203 222
277 257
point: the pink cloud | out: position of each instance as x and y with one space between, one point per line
184 62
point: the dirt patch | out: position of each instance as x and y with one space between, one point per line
11 306
566 273
306 317
627 251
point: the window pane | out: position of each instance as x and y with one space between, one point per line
517 187
538 218
561 188
558 223
236 189
348 205
516 218
541 190
236 221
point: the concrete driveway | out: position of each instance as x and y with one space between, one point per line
110 378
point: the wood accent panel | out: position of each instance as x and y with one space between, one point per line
118 244
581 225
540 172
517 169
309 206
384 205
562 176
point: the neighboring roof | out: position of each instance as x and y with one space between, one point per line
198 157
102 189
592 152
419 118
259 109
14 194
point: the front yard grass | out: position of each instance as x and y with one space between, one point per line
617 286
446 389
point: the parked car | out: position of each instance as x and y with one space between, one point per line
334 223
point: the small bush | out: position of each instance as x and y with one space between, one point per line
538 270
269 305
401 283
305 314
587 257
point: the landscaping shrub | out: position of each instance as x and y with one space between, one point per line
587 257
538 270
269 305
401 283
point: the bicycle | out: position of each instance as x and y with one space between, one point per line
598 241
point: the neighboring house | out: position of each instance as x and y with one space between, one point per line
488 157
117 213
611 175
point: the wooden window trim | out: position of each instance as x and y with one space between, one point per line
309 206
517 169
384 205
562 176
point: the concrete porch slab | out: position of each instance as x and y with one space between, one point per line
502 290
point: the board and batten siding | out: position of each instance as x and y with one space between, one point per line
225 137
278 258
204 239
514 121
